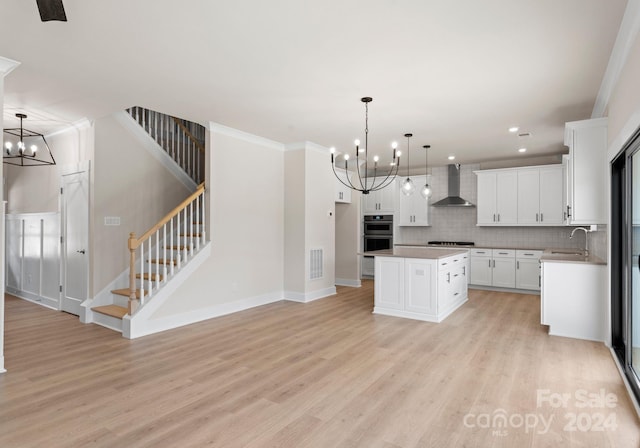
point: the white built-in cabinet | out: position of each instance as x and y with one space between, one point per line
413 210
342 191
416 288
493 267
497 197
586 172
540 195
526 196
379 201
528 269
505 268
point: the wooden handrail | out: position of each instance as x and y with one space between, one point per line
189 134
135 242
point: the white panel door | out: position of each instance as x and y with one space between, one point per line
551 195
480 271
75 233
507 197
389 283
504 272
486 207
420 293
529 196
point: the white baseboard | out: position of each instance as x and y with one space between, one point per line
496 289
151 326
348 282
2 369
47 302
309 296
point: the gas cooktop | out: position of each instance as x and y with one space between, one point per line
451 243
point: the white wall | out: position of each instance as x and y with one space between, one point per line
348 240
246 188
33 257
320 224
294 221
128 182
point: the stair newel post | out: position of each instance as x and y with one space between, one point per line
133 303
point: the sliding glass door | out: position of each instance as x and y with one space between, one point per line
625 262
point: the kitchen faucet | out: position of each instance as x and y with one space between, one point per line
586 238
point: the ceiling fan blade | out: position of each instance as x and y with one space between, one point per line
51 10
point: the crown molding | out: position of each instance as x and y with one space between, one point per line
627 33
218 128
7 65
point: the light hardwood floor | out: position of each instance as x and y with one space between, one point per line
324 374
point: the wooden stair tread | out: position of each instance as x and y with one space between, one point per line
125 292
111 310
153 277
162 261
198 234
181 247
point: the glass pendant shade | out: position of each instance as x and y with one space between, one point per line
426 191
408 187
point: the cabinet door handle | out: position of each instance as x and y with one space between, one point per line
494 217
464 270
541 217
448 277
498 217
536 217
564 216
517 265
494 263
489 263
568 211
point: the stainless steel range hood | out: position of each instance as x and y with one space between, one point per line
454 199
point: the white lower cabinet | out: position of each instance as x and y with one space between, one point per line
417 288
505 268
528 269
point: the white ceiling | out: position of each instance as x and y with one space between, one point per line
456 74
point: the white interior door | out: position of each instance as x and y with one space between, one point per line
75 240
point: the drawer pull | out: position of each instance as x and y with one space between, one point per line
531 255
503 253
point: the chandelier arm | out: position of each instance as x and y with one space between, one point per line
389 179
337 177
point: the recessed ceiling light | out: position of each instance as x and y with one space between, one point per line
513 129
522 150
451 157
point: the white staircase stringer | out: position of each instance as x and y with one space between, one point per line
138 325
129 123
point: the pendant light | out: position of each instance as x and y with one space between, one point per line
362 181
426 190
408 186
26 148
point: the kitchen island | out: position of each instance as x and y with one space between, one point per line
420 283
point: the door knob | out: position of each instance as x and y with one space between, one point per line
80 251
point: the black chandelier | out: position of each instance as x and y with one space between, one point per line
380 178
23 147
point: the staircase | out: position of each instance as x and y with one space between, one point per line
155 258
182 140
167 247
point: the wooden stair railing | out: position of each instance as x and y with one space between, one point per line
182 140
162 262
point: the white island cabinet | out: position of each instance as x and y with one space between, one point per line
420 283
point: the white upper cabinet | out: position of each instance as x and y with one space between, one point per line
540 196
413 210
497 197
586 200
342 192
526 196
380 201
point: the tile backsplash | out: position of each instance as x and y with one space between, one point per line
459 223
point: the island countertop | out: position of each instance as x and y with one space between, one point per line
427 253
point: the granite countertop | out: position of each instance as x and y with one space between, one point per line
478 246
427 253
569 256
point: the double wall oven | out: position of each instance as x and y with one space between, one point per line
378 235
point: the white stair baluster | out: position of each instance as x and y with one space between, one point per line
149 270
164 252
197 200
178 239
172 251
203 216
158 258
141 272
